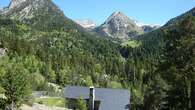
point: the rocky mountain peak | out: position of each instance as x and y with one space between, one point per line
40 14
26 9
117 13
119 17
33 3
16 3
118 25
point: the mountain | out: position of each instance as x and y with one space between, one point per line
153 43
156 36
86 23
177 19
39 14
119 26
63 51
26 9
147 27
176 39
63 48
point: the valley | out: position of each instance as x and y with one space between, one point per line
41 49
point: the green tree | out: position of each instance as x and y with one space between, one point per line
81 104
177 66
15 82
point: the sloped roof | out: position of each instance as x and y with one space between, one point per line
111 99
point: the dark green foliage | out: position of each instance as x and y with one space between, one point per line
81 105
178 65
63 57
169 87
15 82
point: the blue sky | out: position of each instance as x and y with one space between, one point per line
146 11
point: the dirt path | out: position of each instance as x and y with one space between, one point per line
40 107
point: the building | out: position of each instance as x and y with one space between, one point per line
2 52
99 98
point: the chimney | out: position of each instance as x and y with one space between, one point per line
91 98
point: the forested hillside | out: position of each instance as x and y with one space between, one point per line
50 48
149 63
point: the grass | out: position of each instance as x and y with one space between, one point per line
58 102
131 43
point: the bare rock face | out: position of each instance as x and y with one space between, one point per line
86 23
39 14
16 3
26 9
119 26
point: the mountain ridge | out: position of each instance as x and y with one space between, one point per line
40 14
27 8
120 26
180 17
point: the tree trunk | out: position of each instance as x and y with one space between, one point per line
193 95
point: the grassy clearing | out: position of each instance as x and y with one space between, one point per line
131 43
58 102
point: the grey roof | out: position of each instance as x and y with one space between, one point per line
111 99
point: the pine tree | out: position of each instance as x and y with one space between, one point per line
15 82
